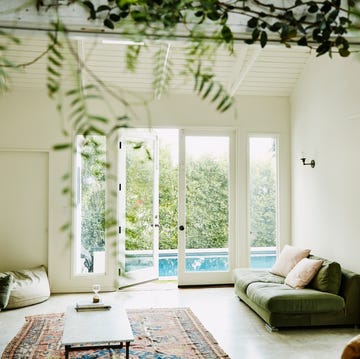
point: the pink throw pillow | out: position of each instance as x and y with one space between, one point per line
303 272
288 259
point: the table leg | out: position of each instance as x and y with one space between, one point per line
127 349
67 351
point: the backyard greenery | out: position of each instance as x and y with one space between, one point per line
262 204
207 201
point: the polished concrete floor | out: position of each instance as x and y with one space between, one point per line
239 331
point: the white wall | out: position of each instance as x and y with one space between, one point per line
29 122
325 111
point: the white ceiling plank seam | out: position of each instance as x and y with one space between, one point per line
238 66
245 70
164 70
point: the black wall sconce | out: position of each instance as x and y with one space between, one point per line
311 163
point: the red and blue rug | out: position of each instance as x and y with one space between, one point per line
161 333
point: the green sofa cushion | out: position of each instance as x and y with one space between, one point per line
244 276
5 288
280 298
328 278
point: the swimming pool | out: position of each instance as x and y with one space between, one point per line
199 262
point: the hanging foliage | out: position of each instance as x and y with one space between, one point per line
322 25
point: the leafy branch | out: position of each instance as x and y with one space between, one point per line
321 25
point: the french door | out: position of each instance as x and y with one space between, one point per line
138 208
206 208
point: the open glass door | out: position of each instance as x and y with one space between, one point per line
138 207
205 223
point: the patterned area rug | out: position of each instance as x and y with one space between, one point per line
171 333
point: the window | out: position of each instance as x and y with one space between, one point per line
263 200
90 204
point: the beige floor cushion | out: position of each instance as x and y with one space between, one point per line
30 286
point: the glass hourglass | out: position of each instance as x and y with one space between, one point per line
96 290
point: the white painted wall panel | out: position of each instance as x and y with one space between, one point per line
326 128
24 195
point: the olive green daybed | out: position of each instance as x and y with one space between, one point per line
331 298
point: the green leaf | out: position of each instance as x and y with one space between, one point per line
344 52
61 146
326 7
255 34
249 41
333 15
276 26
223 102
52 71
227 34
65 227
56 52
89 4
115 17
252 22
213 15
138 16
263 38
109 24
323 48
92 15
302 41
138 145
54 61
202 83
103 8
218 93
208 90
71 92
98 118
224 108
313 8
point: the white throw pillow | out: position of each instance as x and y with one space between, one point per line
303 272
288 259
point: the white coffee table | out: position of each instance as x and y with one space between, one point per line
96 329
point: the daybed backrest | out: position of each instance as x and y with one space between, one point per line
349 287
350 291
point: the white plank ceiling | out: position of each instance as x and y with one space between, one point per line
272 71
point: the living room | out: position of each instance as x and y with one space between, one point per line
318 207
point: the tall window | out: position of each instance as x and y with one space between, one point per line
263 199
90 204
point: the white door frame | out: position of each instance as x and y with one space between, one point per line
198 278
149 273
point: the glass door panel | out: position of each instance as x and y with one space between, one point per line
90 204
139 201
204 222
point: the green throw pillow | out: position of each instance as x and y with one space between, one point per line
5 288
328 278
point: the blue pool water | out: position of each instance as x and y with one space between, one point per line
197 262
168 266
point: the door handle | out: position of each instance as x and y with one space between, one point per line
181 228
